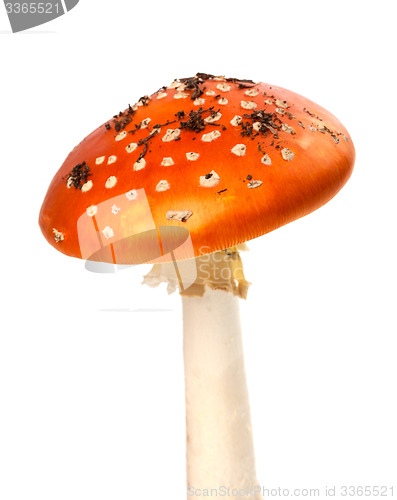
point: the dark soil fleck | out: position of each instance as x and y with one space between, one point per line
78 175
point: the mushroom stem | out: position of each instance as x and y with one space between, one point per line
220 452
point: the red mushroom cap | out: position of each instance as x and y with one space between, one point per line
223 160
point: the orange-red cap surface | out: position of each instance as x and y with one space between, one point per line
221 160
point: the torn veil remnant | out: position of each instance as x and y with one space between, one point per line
222 160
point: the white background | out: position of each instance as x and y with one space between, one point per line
91 370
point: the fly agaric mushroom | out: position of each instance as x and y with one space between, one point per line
219 161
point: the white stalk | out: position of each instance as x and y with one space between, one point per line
220 452
219 449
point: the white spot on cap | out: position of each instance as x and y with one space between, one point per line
131 195
69 182
140 164
161 95
248 104
58 235
131 147
111 182
287 154
210 92
236 120
162 186
181 215
254 184
251 92
171 134
112 159
209 180
224 87
281 111
192 156
145 122
115 209
143 100
239 149
86 187
287 128
281 104
199 102
180 95
174 84
122 135
213 118
219 78
268 101
223 101
92 210
167 161
108 232
266 160
211 136
256 126
100 160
